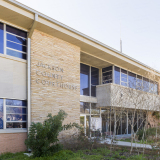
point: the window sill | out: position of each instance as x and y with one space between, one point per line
12 130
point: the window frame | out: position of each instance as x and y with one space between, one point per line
5 48
12 130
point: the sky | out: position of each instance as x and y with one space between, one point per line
136 22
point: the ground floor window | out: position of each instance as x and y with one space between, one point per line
90 119
13 113
109 121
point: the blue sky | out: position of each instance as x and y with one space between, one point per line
101 20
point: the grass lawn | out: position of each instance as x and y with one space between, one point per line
95 154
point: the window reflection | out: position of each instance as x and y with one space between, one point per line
15 117
1 113
85 107
16 125
1 38
107 75
94 80
84 79
117 75
132 80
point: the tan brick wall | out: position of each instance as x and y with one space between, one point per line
51 98
12 142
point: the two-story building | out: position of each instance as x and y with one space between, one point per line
46 66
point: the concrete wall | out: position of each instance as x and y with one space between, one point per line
55 78
119 96
12 77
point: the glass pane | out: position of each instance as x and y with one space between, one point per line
16 125
139 83
117 75
84 107
1 113
16 39
124 84
145 84
151 87
16 110
123 71
1 38
94 80
123 75
94 109
107 69
84 80
16 46
16 31
16 54
123 79
107 75
156 88
132 80
12 102
15 117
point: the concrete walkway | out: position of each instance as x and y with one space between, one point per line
128 144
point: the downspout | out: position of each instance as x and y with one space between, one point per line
29 69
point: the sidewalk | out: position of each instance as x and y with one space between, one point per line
128 144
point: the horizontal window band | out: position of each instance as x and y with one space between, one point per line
16 106
16 35
16 54
16 121
16 50
17 43
16 47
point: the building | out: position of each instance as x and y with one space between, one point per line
46 66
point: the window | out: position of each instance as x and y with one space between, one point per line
139 84
145 84
16 113
1 38
132 80
124 81
107 75
84 78
1 113
117 75
94 80
16 41
89 78
126 78
84 108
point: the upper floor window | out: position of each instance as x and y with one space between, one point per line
89 78
107 75
16 41
126 78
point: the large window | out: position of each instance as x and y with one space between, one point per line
107 75
16 41
84 80
94 80
16 114
1 38
1 113
89 78
129 79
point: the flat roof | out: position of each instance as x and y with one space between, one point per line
28 9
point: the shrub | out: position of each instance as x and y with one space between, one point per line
43 137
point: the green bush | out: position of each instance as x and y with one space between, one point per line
149 132
43 137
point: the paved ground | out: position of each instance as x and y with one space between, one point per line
121 143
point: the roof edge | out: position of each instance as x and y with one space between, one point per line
77 32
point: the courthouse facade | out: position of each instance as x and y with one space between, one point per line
46 66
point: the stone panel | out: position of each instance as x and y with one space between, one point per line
55 78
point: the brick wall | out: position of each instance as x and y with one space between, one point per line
12 142
55 85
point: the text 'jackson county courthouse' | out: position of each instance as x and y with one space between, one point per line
46 66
